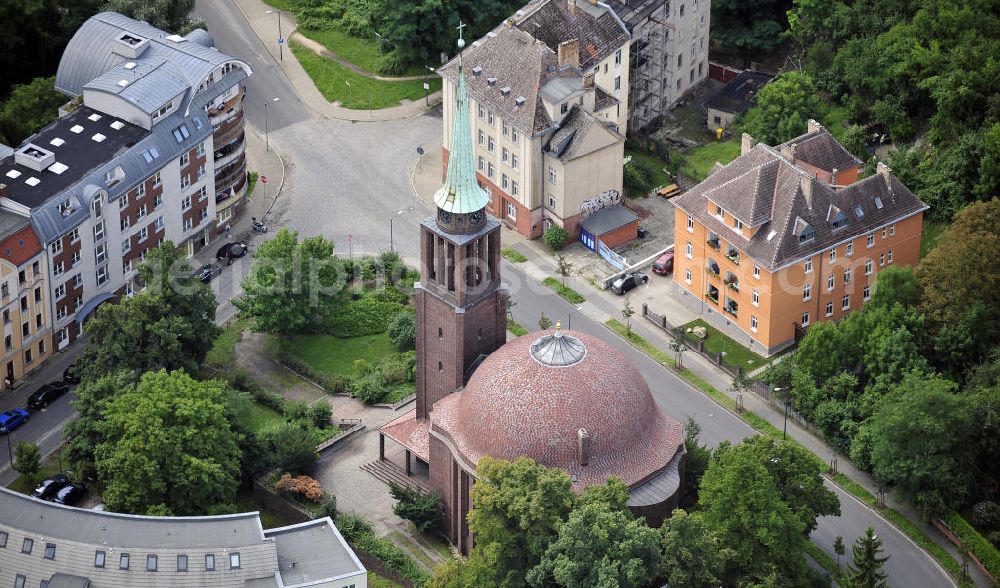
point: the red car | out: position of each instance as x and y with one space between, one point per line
664 264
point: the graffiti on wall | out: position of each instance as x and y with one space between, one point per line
603 200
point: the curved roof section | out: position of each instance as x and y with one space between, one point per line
201 37
89 54
515 406
149 84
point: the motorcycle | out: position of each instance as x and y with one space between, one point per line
258 226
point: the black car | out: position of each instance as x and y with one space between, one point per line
628 281
46 394
48 487
206 272
71 375
231 251
70 494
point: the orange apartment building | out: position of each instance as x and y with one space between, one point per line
785 236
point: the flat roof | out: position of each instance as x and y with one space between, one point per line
313 551
72 140
737 95
608 219
55 521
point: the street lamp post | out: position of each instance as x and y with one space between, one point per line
391 219
784 430
10 451
350 91
569 318
281 38
267 136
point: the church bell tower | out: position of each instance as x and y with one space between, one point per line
460 302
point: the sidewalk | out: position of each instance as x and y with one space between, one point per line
265 26
601 306
266 163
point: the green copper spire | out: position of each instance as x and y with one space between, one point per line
461 193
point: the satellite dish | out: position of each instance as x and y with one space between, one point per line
420 150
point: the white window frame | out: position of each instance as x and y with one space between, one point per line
806 292
845 302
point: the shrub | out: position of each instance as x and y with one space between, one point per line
986 513
319 414
986 553
994 538
358 532
403 330
308 488
369 315
390 294
398 369
28 460
555 237
296 410
328 506
416 506
370 388
288 446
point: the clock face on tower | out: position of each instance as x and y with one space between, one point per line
477 217
444 217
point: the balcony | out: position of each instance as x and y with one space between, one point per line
733 255
732 281
712 268
229 153
732 307
713 241
712 294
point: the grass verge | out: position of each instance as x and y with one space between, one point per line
513 255
698 162
516 328
569 294
716 342
363 53
339 84
376 581
908 527
252 178
223 352
824 560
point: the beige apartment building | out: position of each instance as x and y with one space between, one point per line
23 298
548 96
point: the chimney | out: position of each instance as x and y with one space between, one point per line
833 176
788 152
884 170
583 446
813 126
572 7
746 144
588 79
569 53
3 190
806 183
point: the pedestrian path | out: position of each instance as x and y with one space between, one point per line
265 26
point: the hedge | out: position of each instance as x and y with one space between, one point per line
358 532
976 543
369 315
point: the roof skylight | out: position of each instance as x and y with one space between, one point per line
118 125
56 142
13 174
97 138
58 168
94 117
76 129
32 181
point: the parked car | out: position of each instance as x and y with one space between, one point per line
13 419
206 272
231 251
46 394
664 264
48 487
628 281
71 375
70 494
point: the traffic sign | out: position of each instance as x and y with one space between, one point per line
263 179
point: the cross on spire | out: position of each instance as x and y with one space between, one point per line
461 25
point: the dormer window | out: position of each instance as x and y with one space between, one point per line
719 212
839 220
807 234
737 224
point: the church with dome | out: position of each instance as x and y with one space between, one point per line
562 398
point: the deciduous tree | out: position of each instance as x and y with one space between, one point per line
166 442
693 555
27 459
783 108
169 15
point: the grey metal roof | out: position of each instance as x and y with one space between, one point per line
201 37
574 128
312 552
5 150
558 349
11 223
608 219
633 12
89 54
61 580
761 182
661 486
148 85
54 521
561 88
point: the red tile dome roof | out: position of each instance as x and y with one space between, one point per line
532 396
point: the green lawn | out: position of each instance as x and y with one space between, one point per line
513 255
376 581
259 416
515 328
698 162
932 232
571 295
716 342
363 53
331 355
285 5
223 352
332 80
